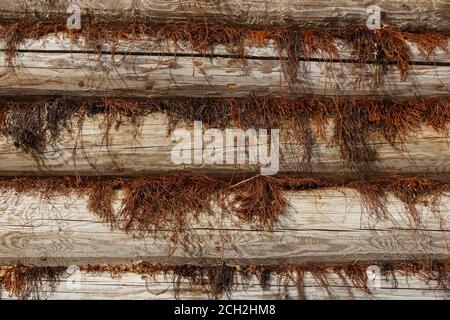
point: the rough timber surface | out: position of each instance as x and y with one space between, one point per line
149 152
132 286
397 14
322 226
55 66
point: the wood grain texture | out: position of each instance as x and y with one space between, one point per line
135 287
322 226
149 46
426 152
80 74
55 65
422 15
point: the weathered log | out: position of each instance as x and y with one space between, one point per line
86 152
321 226
57 65
79 74
420 15
135 287
147 46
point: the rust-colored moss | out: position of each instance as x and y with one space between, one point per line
169 202
428 43
259 199
34 126
412 191
14 33
27 282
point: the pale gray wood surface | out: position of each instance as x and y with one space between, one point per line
80 74
132 286
149 46
321 226
426 151
55 65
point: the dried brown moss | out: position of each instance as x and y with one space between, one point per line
357 122
428 43
412 191
383 47
14 33
259 197
168 202
37 126
221 279
295 46
262 200
34 126
427 271
27 282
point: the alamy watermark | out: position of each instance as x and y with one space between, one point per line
230 146
374 19
374 276
74 19
73 280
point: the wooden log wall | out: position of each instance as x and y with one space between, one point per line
324 226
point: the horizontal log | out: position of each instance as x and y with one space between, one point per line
420 15
98 286
79 74
425 152
145 68
148 46
321 226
